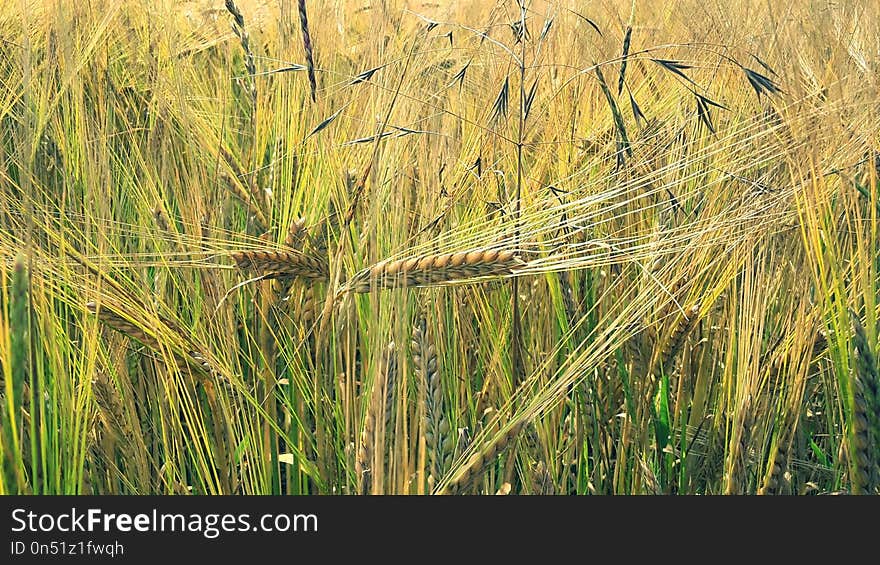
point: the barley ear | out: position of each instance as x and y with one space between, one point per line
435 422
11 409
865 453
480 460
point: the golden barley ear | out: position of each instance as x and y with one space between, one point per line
665 357
185 353
431 270
250 198
110 404
111 318
283 264
481 459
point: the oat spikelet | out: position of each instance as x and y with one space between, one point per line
627 37
866 413
281 264
480 460
435 424
307 47
435 269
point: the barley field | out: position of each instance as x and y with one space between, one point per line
406 247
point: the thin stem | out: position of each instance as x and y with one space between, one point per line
516 329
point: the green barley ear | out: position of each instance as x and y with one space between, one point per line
19 329
435 422
866 414
19 322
